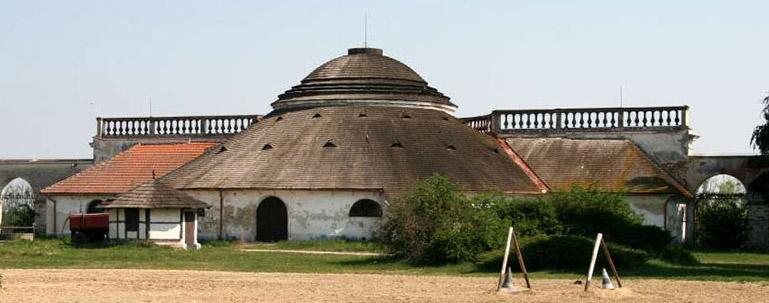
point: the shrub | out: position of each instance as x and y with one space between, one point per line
22 215
722 224
587 211
433 223
677 255
573 252
647 237
529 217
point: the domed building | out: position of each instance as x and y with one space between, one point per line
351 137
355 134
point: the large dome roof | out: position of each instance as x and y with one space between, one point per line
363 77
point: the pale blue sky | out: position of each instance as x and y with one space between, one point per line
62 63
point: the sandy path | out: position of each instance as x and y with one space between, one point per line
203 286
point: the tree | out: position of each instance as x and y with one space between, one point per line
760 138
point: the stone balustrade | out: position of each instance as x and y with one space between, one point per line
580 119
183 126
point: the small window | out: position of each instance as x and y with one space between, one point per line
267 147
132 219
329 144
366 208
316 115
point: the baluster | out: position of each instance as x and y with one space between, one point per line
581 119
677 117
605 120
637 120
566 120
644 118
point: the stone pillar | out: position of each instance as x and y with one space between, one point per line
689 222
758 218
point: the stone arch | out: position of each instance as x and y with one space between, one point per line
366 208
95 206
17 203
271 220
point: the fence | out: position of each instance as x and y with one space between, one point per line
174 126
17 212
580 119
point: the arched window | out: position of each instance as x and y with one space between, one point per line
366 208
94 207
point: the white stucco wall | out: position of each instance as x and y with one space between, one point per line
160 226
665 211
312 214
65 205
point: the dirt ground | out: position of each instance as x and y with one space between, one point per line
42 285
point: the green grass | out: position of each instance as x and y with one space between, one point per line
227 256
323 245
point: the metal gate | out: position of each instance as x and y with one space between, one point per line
17 212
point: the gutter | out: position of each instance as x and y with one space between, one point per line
523 165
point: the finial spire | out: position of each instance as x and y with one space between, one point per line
365 30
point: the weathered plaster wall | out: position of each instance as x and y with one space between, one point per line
664 211
652 207
312 214
165 224
65 205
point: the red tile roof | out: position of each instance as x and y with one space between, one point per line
130 168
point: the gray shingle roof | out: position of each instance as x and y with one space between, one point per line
155 194
363 74
611 164
364 153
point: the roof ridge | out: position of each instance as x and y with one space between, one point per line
539 182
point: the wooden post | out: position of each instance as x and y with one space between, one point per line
504 260
592 260
520 258
611 262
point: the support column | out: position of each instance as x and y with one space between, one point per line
758 218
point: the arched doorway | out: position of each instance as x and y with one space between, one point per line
721 213
271 220
17 204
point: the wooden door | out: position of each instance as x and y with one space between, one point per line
271 221
189 229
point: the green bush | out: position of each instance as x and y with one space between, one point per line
529 217
573 252
677 255
22 215
588 211
433 224
722 224
650 238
